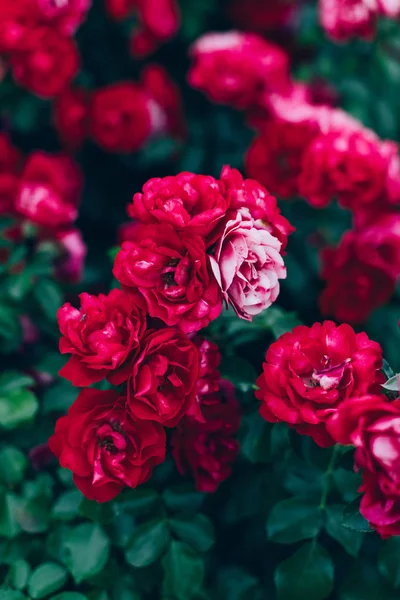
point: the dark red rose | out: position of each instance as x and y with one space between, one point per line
248 193
194 203
104 446
49 190
10 168
236 68
173 275
350 166
103 336
309 372
64 16
275 156
47 63
258 15
120 117
119 9
163 380
70 115
209 376
361 272
206 449
371 424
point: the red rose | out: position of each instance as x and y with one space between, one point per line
248 193
69 267
120 117
119 9
49 190
194 203
163 381
17 19
70 112
159 21
343 19
207 449
104 446
166 94
65 16
361 272
210 358
47 63
275 156
173 274
371 424
349 166
102 336
309 372
236 68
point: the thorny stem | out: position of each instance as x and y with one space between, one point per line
327 476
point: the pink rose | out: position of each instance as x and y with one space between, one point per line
247 265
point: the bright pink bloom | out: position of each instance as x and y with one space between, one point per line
247 265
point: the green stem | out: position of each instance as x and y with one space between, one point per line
327 476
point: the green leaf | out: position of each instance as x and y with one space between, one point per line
13 464
87 551
350 540
46 579
34 514
19 574
278 320
183 572
255 438
183 498
195 530
49 297
235 583
149 540
99 512
307 574
17 407
9 506
11 595
140 502
69 596
388 562
13 380
353 519
392 384
293 520
10 329
239 372
67 505
58 398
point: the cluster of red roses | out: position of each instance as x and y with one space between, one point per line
44 189
324 381
36 39
343 19
159 21
195 241
122 116
304 147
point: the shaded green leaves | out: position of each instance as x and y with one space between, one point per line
148 542
195 530
349 539
17 404
46 579
49 297
183 572
388 563
87 550
293 520
353 519
13 464
308 573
